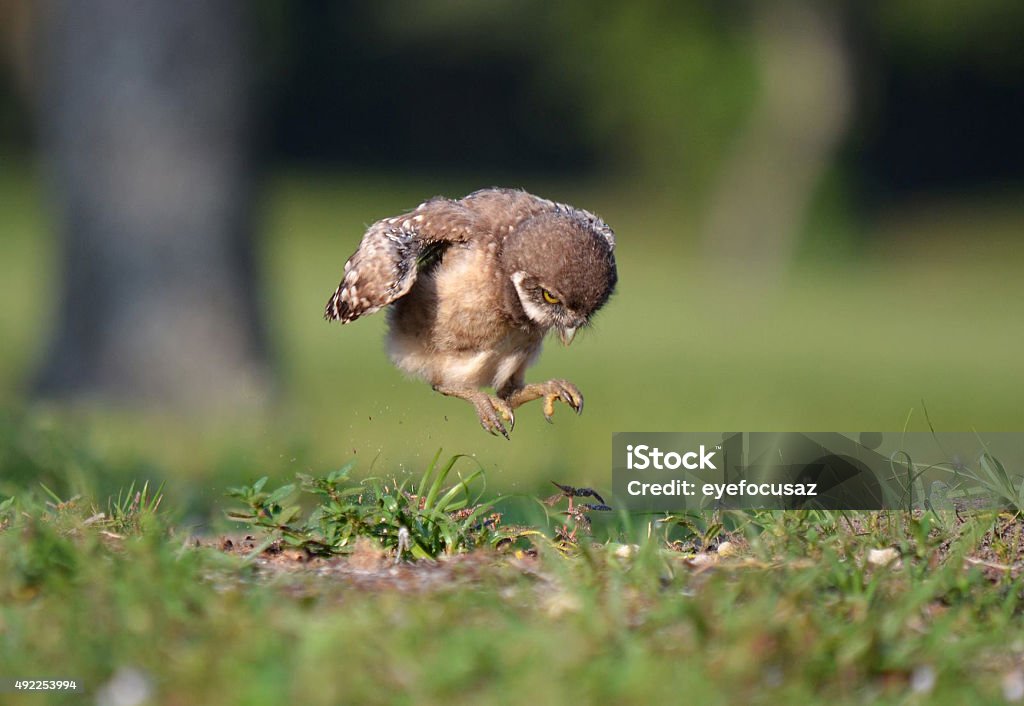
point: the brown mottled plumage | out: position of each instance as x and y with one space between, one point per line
474 284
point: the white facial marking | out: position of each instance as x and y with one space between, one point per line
536 312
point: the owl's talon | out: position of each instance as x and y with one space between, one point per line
491 411
570 394
494 426
550 392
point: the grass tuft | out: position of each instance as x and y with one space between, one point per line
425 520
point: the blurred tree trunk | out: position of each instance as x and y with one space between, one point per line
143 118
798 122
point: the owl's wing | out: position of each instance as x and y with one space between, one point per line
385 266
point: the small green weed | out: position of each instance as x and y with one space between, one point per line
6 512
425 519
134 508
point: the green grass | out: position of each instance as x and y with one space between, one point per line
422 520
794 613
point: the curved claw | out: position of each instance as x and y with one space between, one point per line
570 394
495 427
490 411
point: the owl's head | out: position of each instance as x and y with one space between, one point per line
562 268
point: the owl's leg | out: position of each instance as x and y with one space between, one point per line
551 390
489 409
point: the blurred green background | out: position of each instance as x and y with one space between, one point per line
818 207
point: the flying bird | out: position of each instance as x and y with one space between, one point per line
473 285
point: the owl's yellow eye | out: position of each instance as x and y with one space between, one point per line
549 297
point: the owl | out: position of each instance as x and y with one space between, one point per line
473 285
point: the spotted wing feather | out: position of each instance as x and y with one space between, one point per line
385 266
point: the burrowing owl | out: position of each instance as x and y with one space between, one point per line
473 285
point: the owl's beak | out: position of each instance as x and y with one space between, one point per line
566 334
